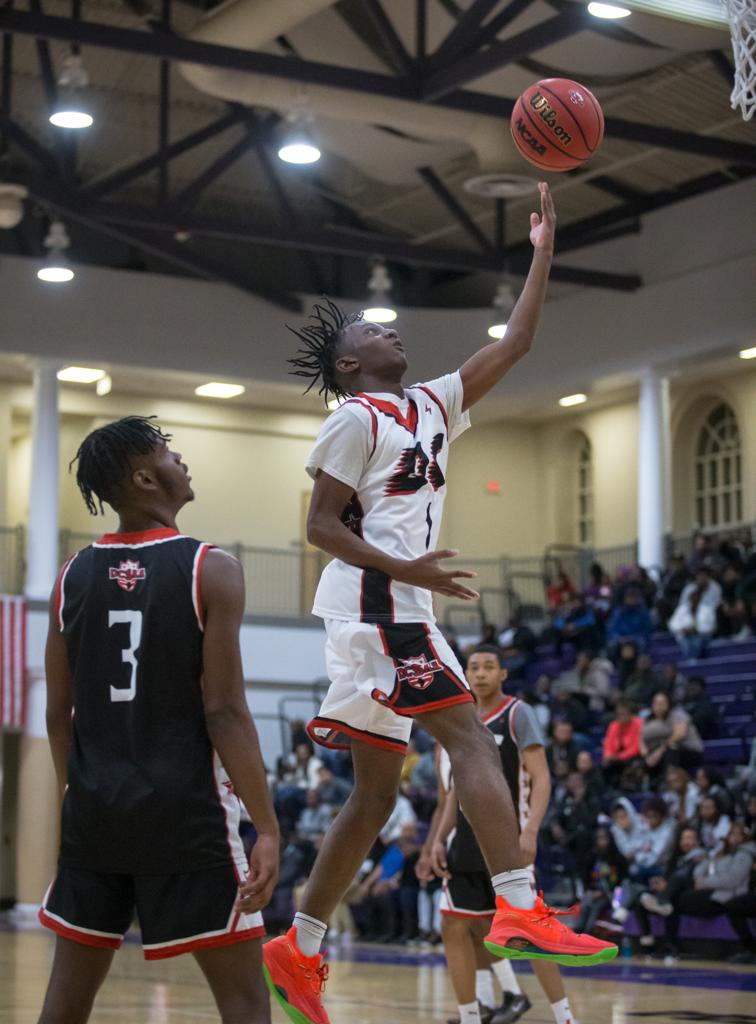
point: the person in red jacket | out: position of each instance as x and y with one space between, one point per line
622 741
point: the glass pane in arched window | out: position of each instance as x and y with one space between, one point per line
717 483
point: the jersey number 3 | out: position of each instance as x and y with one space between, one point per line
128 654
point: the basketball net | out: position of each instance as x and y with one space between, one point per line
742 17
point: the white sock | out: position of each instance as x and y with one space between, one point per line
516 888
310 933
562 1012
484 990
506 977
469 1013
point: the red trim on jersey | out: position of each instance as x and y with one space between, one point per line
463 698
409 422
59 591
438 402
196 583
139 537
373 739
373 419
71 932
511 727
24 682
493 715
209 943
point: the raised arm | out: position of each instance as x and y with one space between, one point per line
485 369
229 723
59 697
326 530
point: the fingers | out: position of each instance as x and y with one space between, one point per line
464 573
446 553
535 220
457 590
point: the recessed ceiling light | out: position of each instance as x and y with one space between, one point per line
299 152
80 374
218 389
497 331
573 400
104 386
71 119
607 11
748 353
380 315
55 275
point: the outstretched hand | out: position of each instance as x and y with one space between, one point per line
543 228
427 572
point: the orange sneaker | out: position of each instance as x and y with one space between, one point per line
295 981
537 935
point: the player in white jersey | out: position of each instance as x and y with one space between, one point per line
379 466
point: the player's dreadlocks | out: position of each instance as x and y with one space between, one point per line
316 360
104 456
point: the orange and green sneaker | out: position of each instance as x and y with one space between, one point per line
536 934
295 981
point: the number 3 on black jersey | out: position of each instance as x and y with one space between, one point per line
133 620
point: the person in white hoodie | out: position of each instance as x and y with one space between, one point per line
647 846
694 620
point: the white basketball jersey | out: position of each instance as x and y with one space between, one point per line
394 453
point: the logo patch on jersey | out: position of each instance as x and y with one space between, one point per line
418 672
127 575
415 470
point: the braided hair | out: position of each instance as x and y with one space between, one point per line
316 360
104 456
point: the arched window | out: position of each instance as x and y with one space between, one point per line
718 491
584 492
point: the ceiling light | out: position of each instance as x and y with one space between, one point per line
71 110
11 204
747 353
569 400
497 331
380 314
503 303
607 11
380 310
299 151
81 374
104 385
218 389
56 269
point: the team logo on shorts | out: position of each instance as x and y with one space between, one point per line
418 672
127 575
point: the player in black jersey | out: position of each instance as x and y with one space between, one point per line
153 743
469 900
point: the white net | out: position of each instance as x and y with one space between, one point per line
742 17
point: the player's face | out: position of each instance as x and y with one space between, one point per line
173 475
378 350
485 675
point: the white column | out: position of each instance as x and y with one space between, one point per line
653 449
42 533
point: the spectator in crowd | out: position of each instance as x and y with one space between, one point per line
668 737
573 823
560 588
647 855
399 821
642 683
562 749
626 662
574 709
672 585
731 612
332 790
719 885
694 621
621 750
681 795
411 758
540 701
607 869
380 888
590 678
488 635
594 780
629 622
598 594
518 643
713 824
297 773
315 818
710 783
575 623
673 682
663 889
698 705
626 827
702 554
748 597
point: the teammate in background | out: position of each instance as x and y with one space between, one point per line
152 738
379 466
469 901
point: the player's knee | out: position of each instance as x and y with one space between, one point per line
454 929
473 740
376 799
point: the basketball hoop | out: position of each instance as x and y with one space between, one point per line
742 17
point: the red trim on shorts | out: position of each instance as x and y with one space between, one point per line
463 698
438 402
139 536
212 942
371 738
468 914
447 671
71 932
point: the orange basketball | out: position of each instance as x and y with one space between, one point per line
557 124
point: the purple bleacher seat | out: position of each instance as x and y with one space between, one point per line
725 751
717 928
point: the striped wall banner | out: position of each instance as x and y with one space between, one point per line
12 662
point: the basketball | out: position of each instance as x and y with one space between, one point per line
557 124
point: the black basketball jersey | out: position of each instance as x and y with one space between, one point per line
464 854
146 792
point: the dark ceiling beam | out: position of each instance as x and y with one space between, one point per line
49 80
6 91
455 208
175 48
500 54
400 58
100 186
498 23
421 31
468 25
614 187
26 142
191 192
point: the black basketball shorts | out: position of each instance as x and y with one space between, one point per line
468 894
177 913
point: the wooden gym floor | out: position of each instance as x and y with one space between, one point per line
384 985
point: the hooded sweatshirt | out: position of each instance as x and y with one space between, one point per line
655 843
628 840
727 875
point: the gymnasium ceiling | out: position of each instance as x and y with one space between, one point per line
410 100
